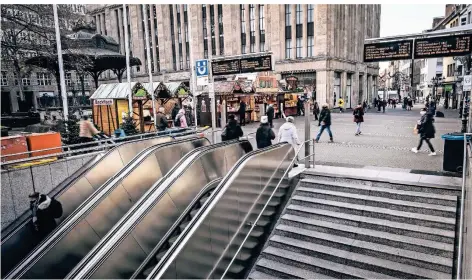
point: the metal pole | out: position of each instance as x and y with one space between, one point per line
128 69
461 217
148 53
193 76
61 64
307 134
211 94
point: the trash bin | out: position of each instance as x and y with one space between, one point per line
453 151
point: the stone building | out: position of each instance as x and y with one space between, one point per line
322 45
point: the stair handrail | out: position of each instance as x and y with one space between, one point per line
262 211
461 217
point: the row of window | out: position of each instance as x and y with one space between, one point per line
252 28
299 31
43 79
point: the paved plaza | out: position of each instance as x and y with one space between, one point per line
386 140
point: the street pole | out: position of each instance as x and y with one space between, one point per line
193 75
61 65
128 70
211 94
148 53
307 135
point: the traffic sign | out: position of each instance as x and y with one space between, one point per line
467 83
202 67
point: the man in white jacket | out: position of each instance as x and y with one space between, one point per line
288 133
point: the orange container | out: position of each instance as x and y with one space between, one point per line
14 145
40 141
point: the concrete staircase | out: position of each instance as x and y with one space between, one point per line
351 228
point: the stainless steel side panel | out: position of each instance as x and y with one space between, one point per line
73 196
201 250
125 190
162 213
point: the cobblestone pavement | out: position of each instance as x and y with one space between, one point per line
386 140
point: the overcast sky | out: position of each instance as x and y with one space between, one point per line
397 19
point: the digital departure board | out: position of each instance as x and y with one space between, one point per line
256 64
388 51
443 46
244 65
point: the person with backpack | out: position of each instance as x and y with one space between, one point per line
264 134
270 115
44 211
180 119
161 120
358 118
232 130
426 130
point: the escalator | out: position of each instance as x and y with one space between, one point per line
211 239
20 241
74 238
124 249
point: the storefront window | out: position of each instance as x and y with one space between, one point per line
337 87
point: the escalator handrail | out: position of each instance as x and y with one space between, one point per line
75 217
208 187
198 219
128 222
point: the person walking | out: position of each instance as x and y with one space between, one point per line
242 113
299 107
232 130
316 110
394 103
181 120
87 130
325 123
384 104
426 130
379 104
288 133
264 134
161 119
341 105
270 115
358 118
364 106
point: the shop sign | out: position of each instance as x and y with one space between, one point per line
103 102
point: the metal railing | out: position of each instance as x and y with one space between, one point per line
95 146
461 217
253 224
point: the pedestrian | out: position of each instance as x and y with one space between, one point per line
288 133
410 104
87 130
426 130
316 110
379 104
394 103
264 134
384 104
175 111
364 105
325 123
358 118
180 120
341 105
44 210
270 115
299 107
161 119
242 113
405 103
232 130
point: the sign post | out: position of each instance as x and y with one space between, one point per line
148 53
61 65
128 69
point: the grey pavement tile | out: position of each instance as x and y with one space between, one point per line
440 180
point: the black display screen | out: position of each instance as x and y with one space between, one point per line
456 45
244 65
388 51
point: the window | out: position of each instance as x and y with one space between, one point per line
299 30
104 24
288 48
243 28
469 15
310 12
299 47
179 38
118 27
212 26
43 79
311 43
26 80
4 78
288 15
252 28
172 35
156 33
298 11
205 32
220 27
261 28
68 78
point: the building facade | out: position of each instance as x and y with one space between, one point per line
321 45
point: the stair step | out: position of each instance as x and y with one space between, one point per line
435 234
433 198
442 261
378 212
333 269
383 266
370 200
282 270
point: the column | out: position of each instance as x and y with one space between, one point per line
231 29
98 24
217 29
325 87
14 100
344 87
164 37
121 30
355 88
363 94
176 36
248 28
103 24
208 30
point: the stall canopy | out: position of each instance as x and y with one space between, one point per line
121 90
173 90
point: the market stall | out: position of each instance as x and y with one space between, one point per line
170 94
243 90
110 106
267 90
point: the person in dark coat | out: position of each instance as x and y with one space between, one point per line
161 120
325 123
242 113
264 134
175 111
384 104
316 110
299 107
232 130
270 115
358 118
364 105
44 211
426 131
